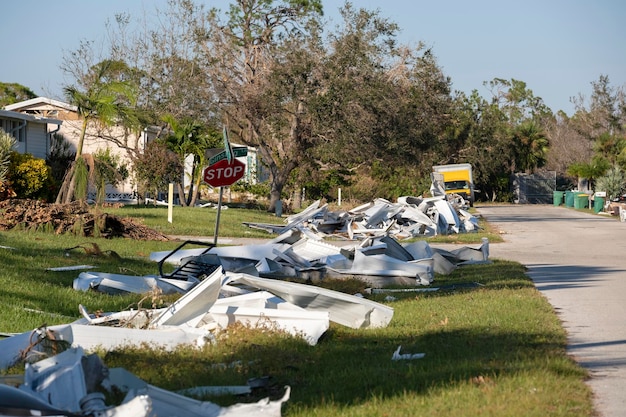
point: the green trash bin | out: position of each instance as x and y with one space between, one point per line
569 198
598 204
558 198
581 201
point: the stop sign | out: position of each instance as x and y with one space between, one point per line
223 173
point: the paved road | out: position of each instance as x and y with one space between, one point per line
578 261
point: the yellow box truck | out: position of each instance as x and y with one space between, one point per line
457 179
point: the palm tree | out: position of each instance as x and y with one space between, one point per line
7 144
189 137
531 146
107 100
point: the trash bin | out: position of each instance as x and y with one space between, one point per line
558 198
581 201
598 204
569 198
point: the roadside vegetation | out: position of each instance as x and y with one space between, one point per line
493 345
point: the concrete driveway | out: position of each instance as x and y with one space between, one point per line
578 261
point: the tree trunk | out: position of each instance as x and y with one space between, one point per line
275 193
196 191
181 195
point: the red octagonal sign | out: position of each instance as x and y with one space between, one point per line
222 173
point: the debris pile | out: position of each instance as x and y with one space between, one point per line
409 217
73 218
72 384
219 286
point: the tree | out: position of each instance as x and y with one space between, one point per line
13 93
189 139
613 182
7 145
106 168
241 55
597 167
530 146
156 167
105 100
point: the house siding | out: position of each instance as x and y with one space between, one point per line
37 140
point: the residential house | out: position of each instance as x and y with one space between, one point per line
31 132
119 141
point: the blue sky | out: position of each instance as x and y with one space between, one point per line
558 47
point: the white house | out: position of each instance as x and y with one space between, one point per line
119 141
32 133
64 119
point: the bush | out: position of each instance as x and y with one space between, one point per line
29 177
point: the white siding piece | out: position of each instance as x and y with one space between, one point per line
169 404
447 216
119 283
310 325
314 250
108 338
254 252
385 265
189 309
345 309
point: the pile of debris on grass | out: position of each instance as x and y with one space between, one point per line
409 217
74 217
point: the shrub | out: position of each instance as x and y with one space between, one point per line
30 177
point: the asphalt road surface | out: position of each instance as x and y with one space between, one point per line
578 262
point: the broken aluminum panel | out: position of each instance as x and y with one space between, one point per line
65 379
119 283
169 404
70 268
469 221
421 249
386 266
314 250
395 249
135 319
345 309
270 268
379 214
91 337
420 219
448 219
472 255
69 384
253 252
294 221
189 309
309 325
405 356
305 214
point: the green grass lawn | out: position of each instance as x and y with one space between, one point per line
496 349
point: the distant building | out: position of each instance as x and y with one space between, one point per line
45 117
32 133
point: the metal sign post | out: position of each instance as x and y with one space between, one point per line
217 219
224 170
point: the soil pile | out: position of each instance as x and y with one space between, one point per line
75 218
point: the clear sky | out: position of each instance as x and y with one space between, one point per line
558 47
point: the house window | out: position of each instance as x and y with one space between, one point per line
15 128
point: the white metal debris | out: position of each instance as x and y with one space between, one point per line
71 384
405 356
409 217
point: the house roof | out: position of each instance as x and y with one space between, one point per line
38 101
8 114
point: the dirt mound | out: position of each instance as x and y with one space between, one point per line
75 218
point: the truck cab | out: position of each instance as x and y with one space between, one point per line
457 179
